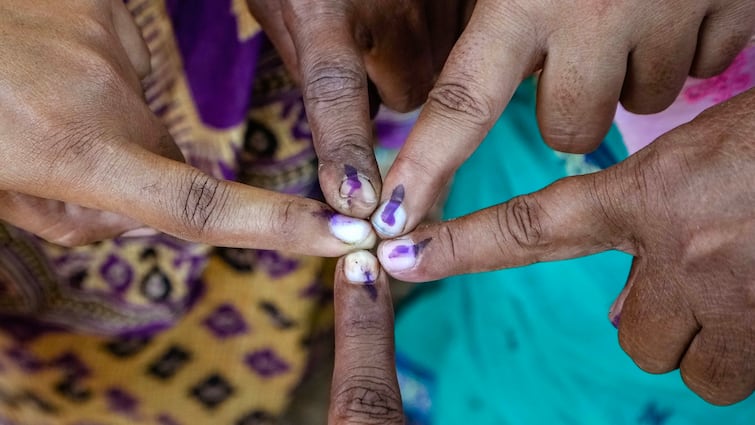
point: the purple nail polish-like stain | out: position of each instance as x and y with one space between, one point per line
389 213
404 250
352 178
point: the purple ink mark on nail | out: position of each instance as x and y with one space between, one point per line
397 197
615 321
404 250
401 251
352 178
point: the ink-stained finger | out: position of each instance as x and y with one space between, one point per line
365 389
561 221
180 200
335 91
493 55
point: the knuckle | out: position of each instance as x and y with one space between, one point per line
334 82
367 399
522 219
458 100
567 136
345 147
282 219
203 201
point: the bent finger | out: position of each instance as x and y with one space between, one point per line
656 325
61 223
719 365
365 388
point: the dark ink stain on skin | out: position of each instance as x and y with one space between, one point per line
371 290
421 245
352 178
325 213
389 213
616 320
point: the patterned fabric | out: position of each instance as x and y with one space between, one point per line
155 330
696 96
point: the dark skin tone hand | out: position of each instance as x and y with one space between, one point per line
365 389
683 206
83 158
592 54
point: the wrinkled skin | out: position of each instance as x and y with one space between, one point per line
694 260
83 158
683 206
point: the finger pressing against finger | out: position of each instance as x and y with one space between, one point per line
334 85
579 91
497 50
365 388
720 365
567 219
656 324
659 66
723 34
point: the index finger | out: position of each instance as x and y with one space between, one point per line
494 54
335 90
180 200
573 217
365 388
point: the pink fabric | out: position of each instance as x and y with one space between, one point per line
697 95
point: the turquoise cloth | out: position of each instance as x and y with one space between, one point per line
533 345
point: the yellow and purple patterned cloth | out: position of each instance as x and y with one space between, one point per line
155 330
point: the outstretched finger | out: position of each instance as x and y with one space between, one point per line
573 217
493 55
335 89
365 389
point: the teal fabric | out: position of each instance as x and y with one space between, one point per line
533 345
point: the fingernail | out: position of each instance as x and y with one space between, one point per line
615 320
357 186
361 267
401 254
352 231
141 232
390 218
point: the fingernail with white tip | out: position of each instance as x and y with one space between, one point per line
357 186
401 254
352 231
390 218
361 267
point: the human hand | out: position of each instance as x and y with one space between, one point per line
592 54
349 56
83 157
684 207
365 389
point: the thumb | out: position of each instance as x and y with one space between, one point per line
573 217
